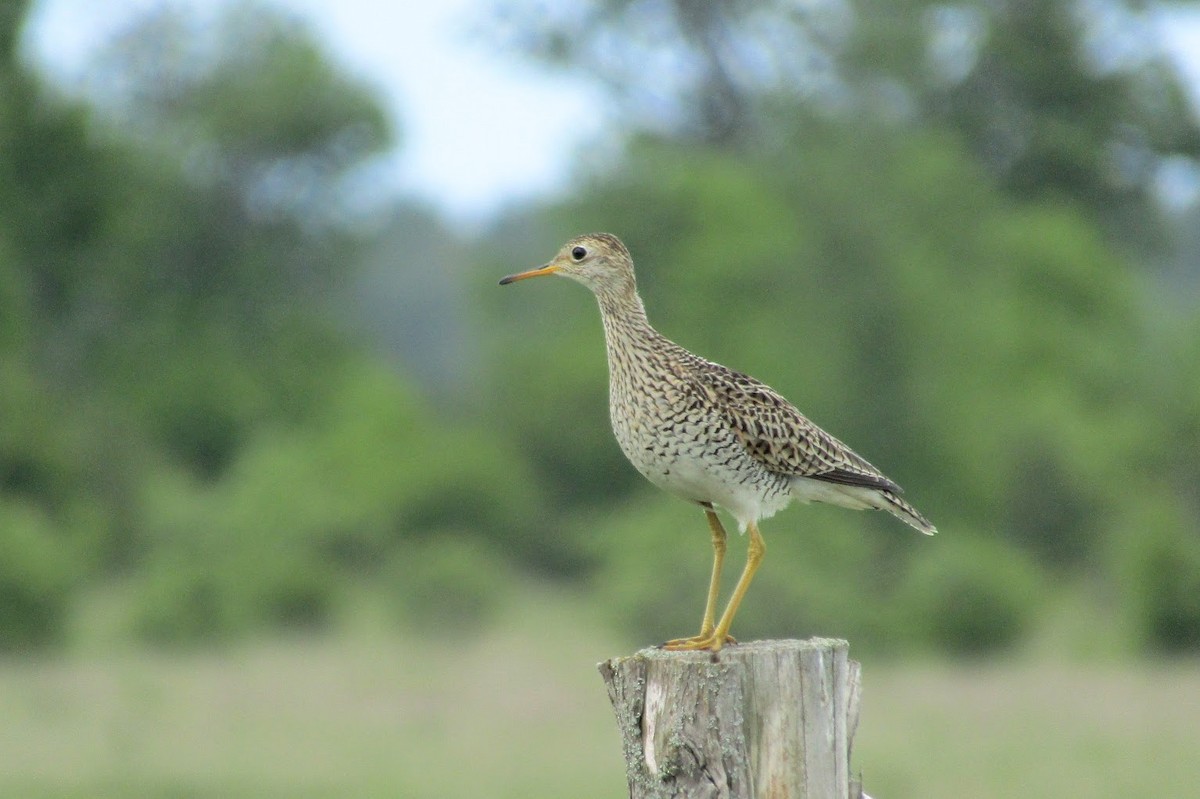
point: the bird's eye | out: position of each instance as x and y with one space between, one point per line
578 253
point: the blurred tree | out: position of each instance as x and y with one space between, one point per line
1057 100
365 487
262 135
235 229
1075 100
715 64
178 277
168 259
245 100
185 409
49 188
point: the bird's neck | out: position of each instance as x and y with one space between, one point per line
624 316
628 335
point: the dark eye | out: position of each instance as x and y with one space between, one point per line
578 253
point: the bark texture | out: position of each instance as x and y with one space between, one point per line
762 719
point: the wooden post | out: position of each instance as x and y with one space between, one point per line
762 719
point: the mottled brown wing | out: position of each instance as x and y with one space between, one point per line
779 436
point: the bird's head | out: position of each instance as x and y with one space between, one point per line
597 260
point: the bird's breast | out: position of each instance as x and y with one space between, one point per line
684 447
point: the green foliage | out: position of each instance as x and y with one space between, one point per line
1155 556
37 579
15 313
448 584
1056 101
183 411
656 564
249 96
970 595
160 269
212 571
370 481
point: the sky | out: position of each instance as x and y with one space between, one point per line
478 128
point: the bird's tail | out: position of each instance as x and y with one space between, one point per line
906 513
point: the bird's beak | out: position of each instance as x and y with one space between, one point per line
548 269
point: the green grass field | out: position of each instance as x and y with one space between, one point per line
520 712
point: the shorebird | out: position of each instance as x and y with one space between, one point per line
708 434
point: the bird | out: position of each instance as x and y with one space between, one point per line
710 435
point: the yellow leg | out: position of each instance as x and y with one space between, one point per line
714 583
720 634
708 623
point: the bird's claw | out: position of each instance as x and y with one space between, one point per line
710 641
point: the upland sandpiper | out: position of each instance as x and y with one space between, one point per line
708 434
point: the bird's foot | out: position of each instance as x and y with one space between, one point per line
710 641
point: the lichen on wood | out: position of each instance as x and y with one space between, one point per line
762 719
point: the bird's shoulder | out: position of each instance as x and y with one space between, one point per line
773 430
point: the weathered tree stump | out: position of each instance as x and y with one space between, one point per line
763 719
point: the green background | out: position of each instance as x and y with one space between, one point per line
294 500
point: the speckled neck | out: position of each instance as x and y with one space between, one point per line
634 348
624 318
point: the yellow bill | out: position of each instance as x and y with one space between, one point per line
548 269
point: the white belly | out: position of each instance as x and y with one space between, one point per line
699 464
